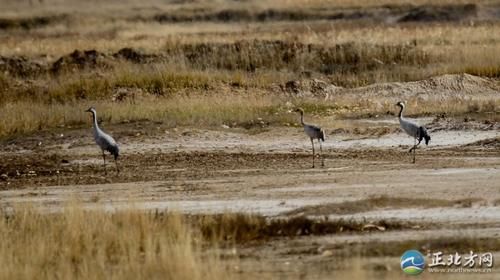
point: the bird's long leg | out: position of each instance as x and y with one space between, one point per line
104 161
414 146
411 149
321 153
117 168
414 149
312 143
414 152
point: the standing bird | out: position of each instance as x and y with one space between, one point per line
314 132
414 130
104 141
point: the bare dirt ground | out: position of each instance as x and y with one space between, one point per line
346 62
452 191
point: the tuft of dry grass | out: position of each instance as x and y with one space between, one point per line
379 202
243 228
99 245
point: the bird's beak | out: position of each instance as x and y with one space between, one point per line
88 110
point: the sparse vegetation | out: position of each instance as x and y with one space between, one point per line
98 245
241 228
151 65
379 202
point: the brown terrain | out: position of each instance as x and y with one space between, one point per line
368 178
200 96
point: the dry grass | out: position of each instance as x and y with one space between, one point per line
244 228
208 74
131 244
203 111
213 109
214 73
97 245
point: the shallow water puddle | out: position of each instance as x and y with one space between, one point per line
448 215
450 171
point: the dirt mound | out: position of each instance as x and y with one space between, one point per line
386 13
248 56
490 143
79 60
20 66
29 67
278 54
135 56
239 15
451 85
126 94
377 203
463 86
129 54
441 13
310 88
449 124
30 23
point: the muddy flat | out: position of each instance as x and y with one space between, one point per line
370 178
268 171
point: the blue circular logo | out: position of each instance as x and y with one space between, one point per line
412 262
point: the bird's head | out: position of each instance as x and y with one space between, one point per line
400 104
299 110
90 110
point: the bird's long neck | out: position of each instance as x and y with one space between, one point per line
302 118
401 112
94 118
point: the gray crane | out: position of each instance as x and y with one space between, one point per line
104 141
314 132
414 130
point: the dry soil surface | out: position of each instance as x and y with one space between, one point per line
454 184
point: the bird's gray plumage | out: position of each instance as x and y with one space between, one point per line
104 140
414 130
314 132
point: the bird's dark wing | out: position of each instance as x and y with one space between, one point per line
114 150
422 133
319 132
315 128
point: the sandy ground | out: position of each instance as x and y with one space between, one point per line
269 172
